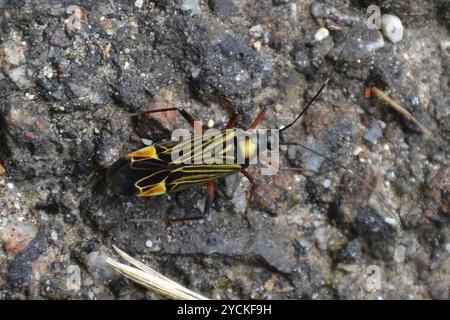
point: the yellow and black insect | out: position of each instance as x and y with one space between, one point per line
152 171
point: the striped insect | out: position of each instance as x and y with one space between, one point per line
152 170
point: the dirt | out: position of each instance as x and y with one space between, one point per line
73 76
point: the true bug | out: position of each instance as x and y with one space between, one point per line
151 171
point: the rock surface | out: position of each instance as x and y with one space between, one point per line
72 76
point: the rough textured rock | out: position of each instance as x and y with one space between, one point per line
73 77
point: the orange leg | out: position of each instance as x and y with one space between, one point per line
227 105
208 204
209 197
258 118
190 119
230 123
252 193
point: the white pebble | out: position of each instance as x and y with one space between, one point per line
54 235
444 44
210 123
257 46
447 247
149 243
327 183
399 254
47 72
10 186
321 34
147 142
357 150
13 53
256 31
192 5
390 221
138 3
73 281
392 27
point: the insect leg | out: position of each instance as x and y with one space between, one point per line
350 170
252 193
258 118
230 123
190 119
209 197
227 105
208 204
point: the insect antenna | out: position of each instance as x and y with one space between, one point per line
360 178
379 196
319 91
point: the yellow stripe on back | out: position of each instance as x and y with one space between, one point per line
156 190
147 152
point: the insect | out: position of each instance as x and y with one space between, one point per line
152 170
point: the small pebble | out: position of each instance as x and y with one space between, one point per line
317 10
13 53
54 235
447 247
138 3
257 46
149 243
19 77
321 236
399 254
47 72
147 142
210 123
327 183
10 186
191 5
196 72
75 22
390 221
357 150
392 27
256 31
374 133
294 13
278 107
444 44
73 281
321 34
16 237
97 266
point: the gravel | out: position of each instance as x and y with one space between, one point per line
73 76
